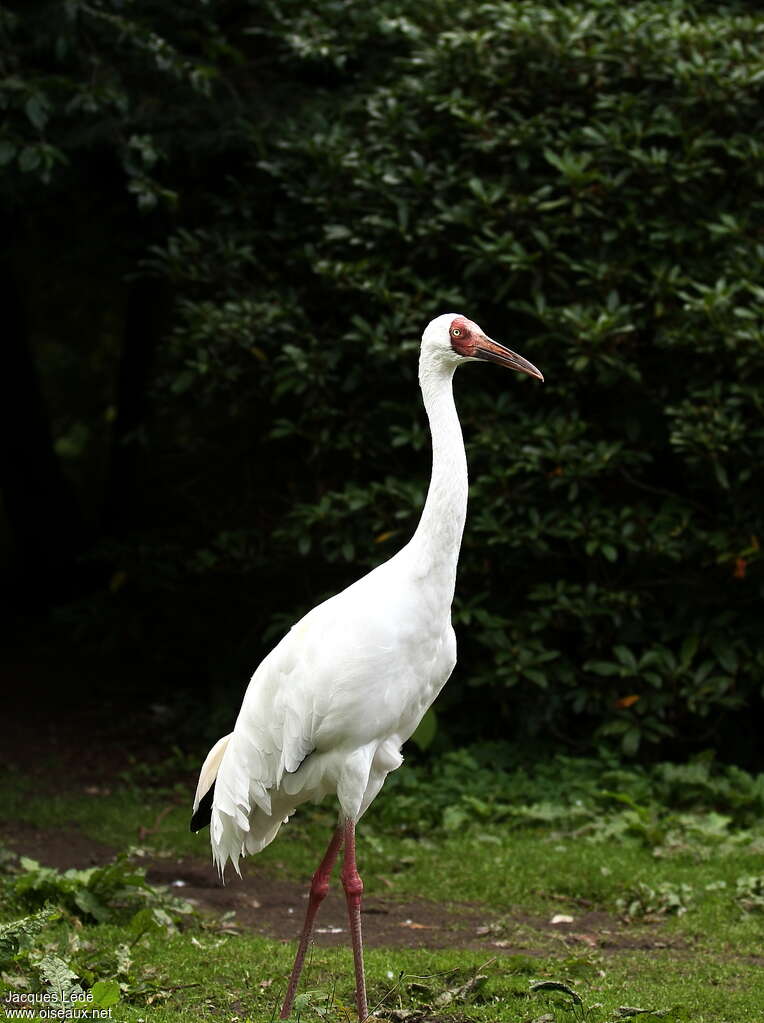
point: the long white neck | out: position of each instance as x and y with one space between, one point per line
435 545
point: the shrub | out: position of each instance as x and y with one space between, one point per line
585 180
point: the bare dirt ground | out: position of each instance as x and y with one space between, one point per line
274 907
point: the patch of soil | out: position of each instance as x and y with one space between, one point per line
53 847
275 907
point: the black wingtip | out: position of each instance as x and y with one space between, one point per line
203 814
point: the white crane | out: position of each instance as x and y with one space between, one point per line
329 708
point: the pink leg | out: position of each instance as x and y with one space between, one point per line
353 885
318 889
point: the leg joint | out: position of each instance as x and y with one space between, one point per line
352 883
319 887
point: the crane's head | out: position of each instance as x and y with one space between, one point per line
451 339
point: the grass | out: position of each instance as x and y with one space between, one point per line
243 977
677 883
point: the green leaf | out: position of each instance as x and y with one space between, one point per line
29 159
150 921
36 111
183 381
630 741
689 649
556 985
454 817
721 474
105 993
726 656
604 668
18 934
59 975
91 905
626 657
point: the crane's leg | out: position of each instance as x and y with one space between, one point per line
318 889
353 885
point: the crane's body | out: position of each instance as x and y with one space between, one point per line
328 710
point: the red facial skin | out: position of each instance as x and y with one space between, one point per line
469 341
467 335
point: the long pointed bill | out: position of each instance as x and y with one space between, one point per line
492 351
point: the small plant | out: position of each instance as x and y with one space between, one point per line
46 952
646 903
110 893
749 893
35 959
161 776
18 935
669 808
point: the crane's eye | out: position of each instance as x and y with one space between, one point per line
455 332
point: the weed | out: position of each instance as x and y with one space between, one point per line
665 899
44 952
161 776
18 935
749 893
99 894
478 785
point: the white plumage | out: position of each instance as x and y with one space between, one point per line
328 710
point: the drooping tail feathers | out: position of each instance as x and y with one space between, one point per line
205 790
236 805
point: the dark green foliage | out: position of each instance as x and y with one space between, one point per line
45 952
585 179
115 892
482 785
85 78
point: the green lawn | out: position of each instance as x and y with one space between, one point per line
671 900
